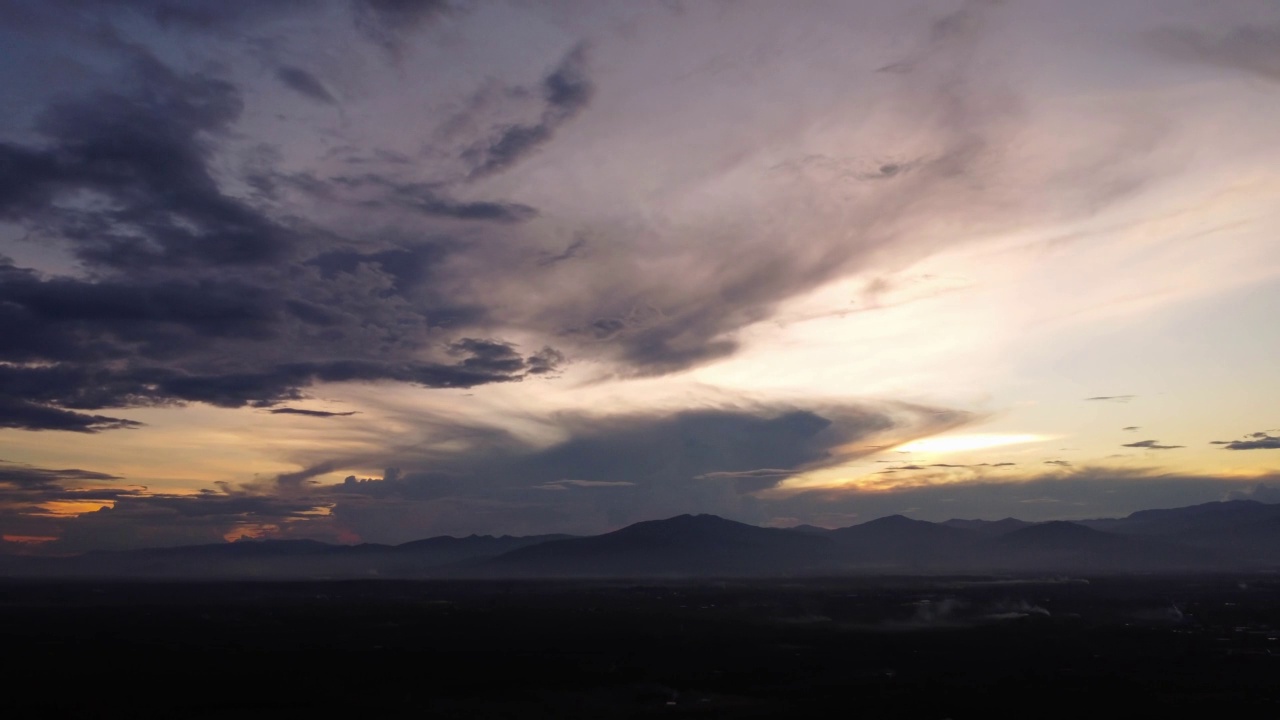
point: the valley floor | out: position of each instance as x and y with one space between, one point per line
866 647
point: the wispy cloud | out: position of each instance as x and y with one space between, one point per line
1253 441
1151 445
311 413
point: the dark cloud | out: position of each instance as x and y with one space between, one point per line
22 476
1061 463
1253 441
1131 428
194 294
172 520
139 163
651 465
566 92
1112 398
311 413
142 182
1252 49
430 200
196 15
305 84
388 22
18 413
769 473
1151 445
1062 494
130 516
572 250
74 345
1262 492
567 484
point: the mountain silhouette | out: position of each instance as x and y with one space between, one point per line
903 543
679 546
1069 546
989 527
1233 535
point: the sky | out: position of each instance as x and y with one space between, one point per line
379 270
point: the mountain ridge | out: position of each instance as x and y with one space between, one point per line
1230 535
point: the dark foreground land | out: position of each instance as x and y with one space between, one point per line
885 647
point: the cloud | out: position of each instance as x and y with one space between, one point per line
19 413
26 477
173 520
389 22
1254 441
125 180
89 510
1151 445
1251 49
1131 428
1061 463
572 250
142 153
1262 492
652 465
1075 493
372 190
37 396
567 484
769 473
311 413
566 92
305 84
1112 398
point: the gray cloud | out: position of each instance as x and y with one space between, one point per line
364 273
311 413
1251 49
19 475
1151 445
1262 492
389 22
371 191
304 83
1253 441
144 153
644 466
26 415
158 321
573 249
1066 494
1112 398
566 92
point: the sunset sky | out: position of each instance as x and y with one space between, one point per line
377 270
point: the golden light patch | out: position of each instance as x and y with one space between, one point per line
251 531
28 539
72 508
963 443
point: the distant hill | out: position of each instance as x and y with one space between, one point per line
686 545
989 527
280 559
1235 535
1192 519
902 544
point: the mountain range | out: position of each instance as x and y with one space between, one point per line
1233 535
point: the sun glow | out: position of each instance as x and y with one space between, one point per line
962 443
72 508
